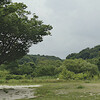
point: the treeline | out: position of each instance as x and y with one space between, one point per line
79 66
87 53
36 58
31 66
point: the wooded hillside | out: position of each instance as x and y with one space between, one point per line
87 53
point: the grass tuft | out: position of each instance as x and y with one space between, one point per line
80 87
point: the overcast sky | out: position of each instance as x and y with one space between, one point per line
76 25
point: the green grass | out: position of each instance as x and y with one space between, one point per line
37 80
69 90
53 89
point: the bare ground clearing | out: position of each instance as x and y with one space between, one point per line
17 92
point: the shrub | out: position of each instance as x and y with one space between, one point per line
80 66
65 74
80 87
17 77
4 73
82 76
96 77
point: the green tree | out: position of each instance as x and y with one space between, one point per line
87 53
98 64
80 66
18 32
15 68
12 67
65 74
46 70
2 2
47 67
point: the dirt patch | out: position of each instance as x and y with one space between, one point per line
17 92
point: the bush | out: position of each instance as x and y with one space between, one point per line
4 73
80 66
80 87
49 70
65 74
17 77
96 77
81 76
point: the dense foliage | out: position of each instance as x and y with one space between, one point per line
86 53
78 68
34 66
36 58
17 31
31 66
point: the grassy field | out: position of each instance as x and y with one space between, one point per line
68 90
34 81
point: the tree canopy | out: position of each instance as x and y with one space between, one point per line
87 53
17 31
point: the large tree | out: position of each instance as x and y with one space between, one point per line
17 31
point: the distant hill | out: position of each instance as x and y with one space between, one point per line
87 53
36 58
